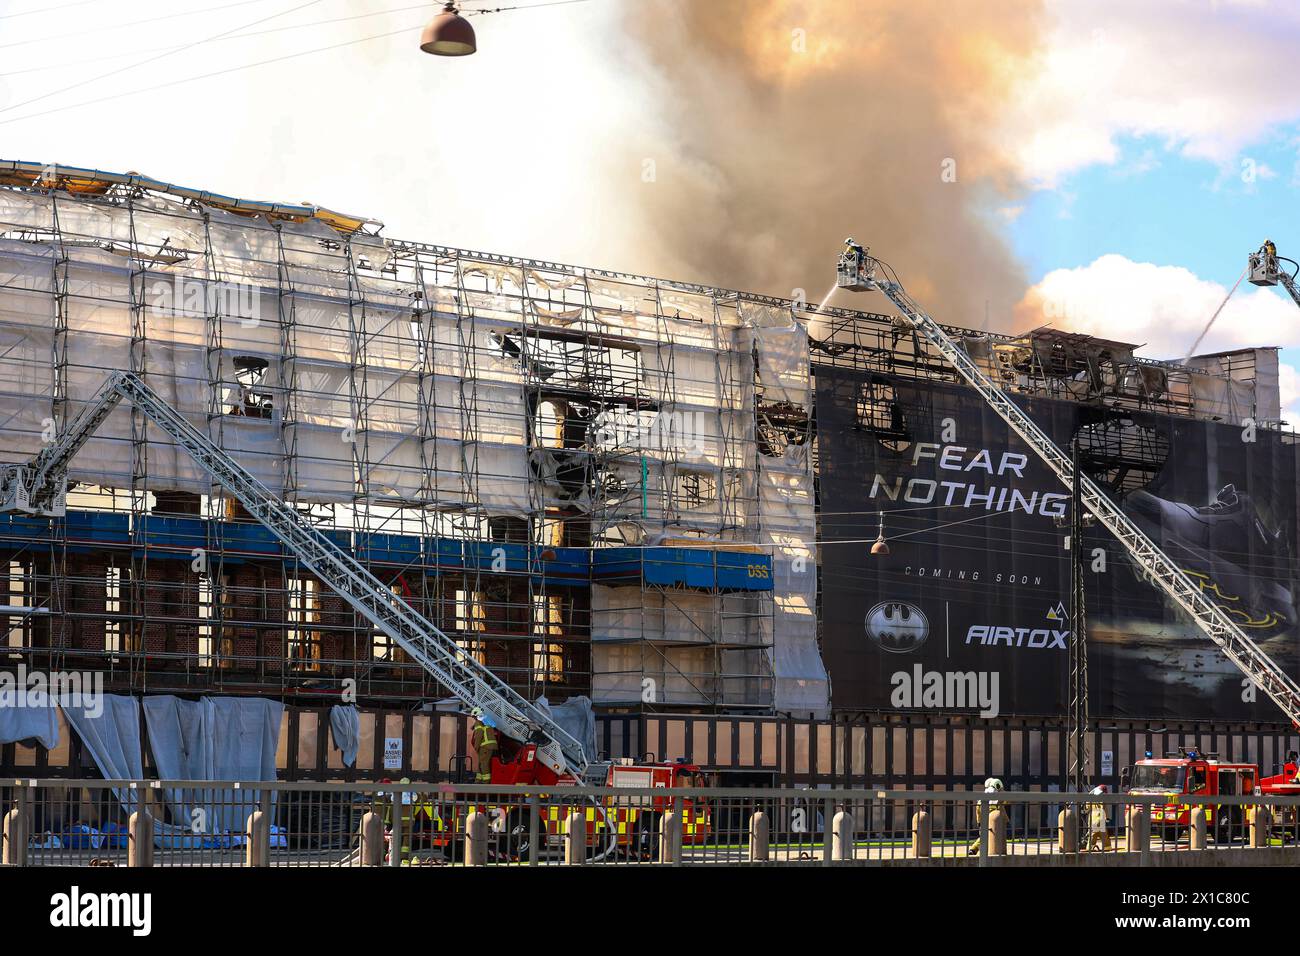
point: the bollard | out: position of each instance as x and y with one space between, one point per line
842 836
670 837
372 840
139 847
575 839
15 839
257 849
1261 821
922 835
760 834
1196 835
476 839
1067 831
998 832
1137 834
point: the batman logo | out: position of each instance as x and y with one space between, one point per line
897 627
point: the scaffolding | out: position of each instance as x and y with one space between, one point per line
599 483
559 467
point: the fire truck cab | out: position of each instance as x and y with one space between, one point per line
1201 774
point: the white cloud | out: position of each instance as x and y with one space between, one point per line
1163 308
1183 72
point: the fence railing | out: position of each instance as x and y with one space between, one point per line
239 823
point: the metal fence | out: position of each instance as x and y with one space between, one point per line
228 824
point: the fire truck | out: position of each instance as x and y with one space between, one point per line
628 826
1201 774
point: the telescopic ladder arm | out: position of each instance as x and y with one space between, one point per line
39 487
857 272
1290 287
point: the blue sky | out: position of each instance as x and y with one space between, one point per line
1156 205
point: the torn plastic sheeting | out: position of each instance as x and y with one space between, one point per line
783 364
213 738
345 728
576 718
111 735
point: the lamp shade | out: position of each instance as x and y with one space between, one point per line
448 34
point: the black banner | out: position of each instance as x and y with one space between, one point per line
970 609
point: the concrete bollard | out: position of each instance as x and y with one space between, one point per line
1067 831
257 848
476 839
372 840
15 839
760 837
922 835
1197 833
1261 821
998 832
1137 834
575 839
139 846
670 837
842 836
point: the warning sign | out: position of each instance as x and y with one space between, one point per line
392 753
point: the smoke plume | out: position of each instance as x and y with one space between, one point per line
786 125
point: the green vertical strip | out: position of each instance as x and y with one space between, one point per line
644 480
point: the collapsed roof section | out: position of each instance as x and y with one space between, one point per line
1229 386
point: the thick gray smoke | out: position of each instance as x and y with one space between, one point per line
785 126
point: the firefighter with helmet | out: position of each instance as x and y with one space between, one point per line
991 785
1098 829
484 740
854 253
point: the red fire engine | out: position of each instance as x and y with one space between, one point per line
629 826
1202 774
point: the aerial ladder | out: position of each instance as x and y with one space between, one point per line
858 271
1265 269
39 487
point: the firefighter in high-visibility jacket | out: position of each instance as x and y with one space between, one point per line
991 785
1098 822
417 813
483 738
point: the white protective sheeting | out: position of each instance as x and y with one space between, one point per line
1240 384
345 729
576 718
35 716
783 364
678 676
111 735
789 525
359 351
213 738
678 617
